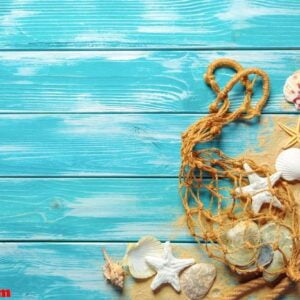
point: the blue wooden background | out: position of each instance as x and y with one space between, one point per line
94 95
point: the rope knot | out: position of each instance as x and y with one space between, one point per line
215 130
213 108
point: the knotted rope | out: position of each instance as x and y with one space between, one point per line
209 182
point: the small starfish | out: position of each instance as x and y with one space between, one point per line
294 133
168 268
258 189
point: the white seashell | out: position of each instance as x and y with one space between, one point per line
291 89
276 267
136 253
197 280
275 234
288 163
242 243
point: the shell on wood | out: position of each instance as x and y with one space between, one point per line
197 280
136 254
275 234
276 267
113 271
242 243
291 89
288 164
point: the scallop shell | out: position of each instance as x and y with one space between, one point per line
242 244
288 163
275 234
291 89
197 280
136 253
276 267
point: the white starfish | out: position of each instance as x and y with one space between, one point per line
168 268
258 189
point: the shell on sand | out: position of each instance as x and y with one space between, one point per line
242 243
276 267
197 280
288 164
276 234
136 254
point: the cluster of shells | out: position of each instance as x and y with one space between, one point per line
250 248
195 280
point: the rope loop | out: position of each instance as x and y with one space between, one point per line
242 76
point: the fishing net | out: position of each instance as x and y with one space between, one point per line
220 208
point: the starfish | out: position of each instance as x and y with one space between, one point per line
294 133
258 189
168 268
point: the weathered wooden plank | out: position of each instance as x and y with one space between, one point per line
73 271
145 24
129 81
107 145
91 209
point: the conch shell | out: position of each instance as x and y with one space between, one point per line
113 271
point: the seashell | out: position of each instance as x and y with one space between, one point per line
242 243
136 253
264 259
197 280
265 256
113 271
291 89
288 163
275 234
276 267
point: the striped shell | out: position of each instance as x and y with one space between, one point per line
291 89
288 163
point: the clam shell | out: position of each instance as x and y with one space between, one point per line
264 259
136 253
291 89
265 256
242 243
197 280
275 234
288 163
276 267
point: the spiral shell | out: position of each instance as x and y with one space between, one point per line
288 163
291 89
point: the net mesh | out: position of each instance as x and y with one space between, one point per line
218 210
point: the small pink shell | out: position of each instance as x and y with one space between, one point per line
291 89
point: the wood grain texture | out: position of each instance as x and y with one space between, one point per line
129 81
90 209
108 145
87 24
73 271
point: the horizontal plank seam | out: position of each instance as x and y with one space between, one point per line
152 49
92 241
133 113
